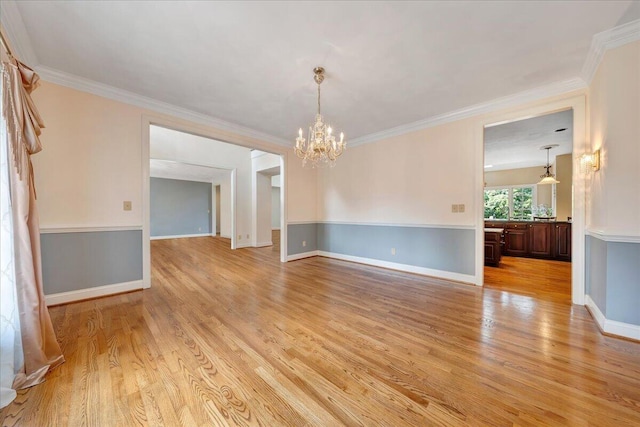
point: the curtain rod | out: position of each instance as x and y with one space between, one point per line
5 44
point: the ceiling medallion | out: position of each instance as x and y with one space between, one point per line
321 147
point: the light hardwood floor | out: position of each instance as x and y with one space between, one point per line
539 278
236 338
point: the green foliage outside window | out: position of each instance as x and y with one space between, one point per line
496 204
522 202
509 203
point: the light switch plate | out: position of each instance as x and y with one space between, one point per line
461 208
454 208
126 205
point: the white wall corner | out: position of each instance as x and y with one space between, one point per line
595 312
609 39
612 327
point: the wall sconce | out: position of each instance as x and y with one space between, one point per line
590 162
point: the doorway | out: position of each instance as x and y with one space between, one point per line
202 153
527 205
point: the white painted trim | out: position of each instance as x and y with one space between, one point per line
182 236
622 329
263 244
609 39
576 102
595 312
243 245
613 327
466 278
82 229
302 255
375 224
225 236
275 228
99 291
504 102
86 85
284 192
607 237
234 210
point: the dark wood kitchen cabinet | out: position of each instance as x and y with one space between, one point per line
535 239
540 239
516 239
563 241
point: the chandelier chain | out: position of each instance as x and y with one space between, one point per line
318 98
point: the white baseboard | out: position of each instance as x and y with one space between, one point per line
181 236
275 229
595 312
243 245
302 255
99 291
263 244
466 278
613 327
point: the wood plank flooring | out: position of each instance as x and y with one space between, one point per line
539 278
236 338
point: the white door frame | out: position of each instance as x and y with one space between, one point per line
211 133
578 104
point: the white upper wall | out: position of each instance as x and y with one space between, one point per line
614 101
90 162
409 179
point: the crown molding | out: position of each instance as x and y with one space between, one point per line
477 109
86 85
16 32
609 39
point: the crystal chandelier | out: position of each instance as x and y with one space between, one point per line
321 147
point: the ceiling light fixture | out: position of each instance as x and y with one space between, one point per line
321 147
548 177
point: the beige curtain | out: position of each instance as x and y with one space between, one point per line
40 347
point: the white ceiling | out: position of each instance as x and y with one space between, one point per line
517 144
176 170
250 63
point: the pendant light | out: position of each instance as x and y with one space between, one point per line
548 177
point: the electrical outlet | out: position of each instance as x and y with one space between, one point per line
461 208
393 251
454 208
247 236
126 205
199 228
304 243
239 236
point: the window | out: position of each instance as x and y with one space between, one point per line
511 202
